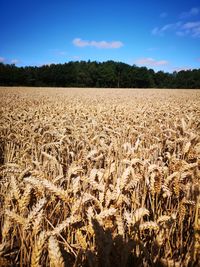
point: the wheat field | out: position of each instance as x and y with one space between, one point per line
99 177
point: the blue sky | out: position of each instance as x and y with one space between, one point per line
163 35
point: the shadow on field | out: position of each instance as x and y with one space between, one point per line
1 153
116 251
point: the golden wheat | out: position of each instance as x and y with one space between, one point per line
99 177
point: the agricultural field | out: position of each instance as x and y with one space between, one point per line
99 177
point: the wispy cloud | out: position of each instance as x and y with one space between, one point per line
163 15
191 13
101 44
150 49
168 27
191 25
177 69
76 57
151 62
62 53
2 59
184 27
190 28
58 52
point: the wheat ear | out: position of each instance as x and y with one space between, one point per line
37 250
55 256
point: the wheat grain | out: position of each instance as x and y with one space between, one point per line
55 256
37 250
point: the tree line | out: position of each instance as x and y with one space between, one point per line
109 74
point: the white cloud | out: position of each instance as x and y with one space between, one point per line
14 61
80 43
151 62
101 44
163 15
192 12
2 59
